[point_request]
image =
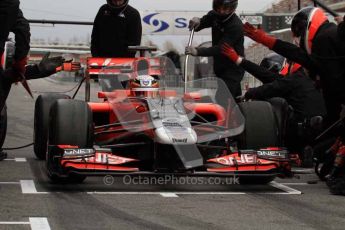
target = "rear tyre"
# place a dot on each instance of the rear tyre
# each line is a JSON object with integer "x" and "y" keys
{"x": 260, "y": 131}
{"x": 260, "y": 128}
{"x": 308, "y": 161}
{"x": 3, "y": 125}
{"x": 41, "y": 122}
{"x": 281, "y": 112}
{"x": 70, "y": 124}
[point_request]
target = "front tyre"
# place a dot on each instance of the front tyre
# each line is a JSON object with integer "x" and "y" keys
{"x": 70, "y": 123}
{"x": 260, "y": 131}
{"x": 41, "y": 122}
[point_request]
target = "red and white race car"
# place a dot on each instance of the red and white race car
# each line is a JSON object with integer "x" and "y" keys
{"x": 148, "y": 121}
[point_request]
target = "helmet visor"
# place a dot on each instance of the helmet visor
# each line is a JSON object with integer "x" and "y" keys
{"x": 117, "y": 4}
{"x": 222, "y": 5}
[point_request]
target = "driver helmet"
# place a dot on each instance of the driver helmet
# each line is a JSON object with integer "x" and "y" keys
{"x": 224, "y": 9}
{"x": 305, "y": 25}
{"x": 117, "y": 5}
{"x": 279, "y": 64}
{"x": 273, "y": 62}
{"x": 144, "y": 86}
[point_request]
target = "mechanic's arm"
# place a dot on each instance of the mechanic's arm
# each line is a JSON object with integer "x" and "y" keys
{"x": 8, "y": 16}
{"x": 295, "y": 54}
{"x": 94, "y": 36}
{"x": 286, "y": 49}
{"x": 232, "y": 34}
{"x": 45, "y": 68}
{"x": 32, "y": 72}
{"x": 277, "y": 88}
{"x": 206, "y": 21}
{"x": 264, "y": 75}
{"x": 50, "y": 65}
{"x": 22, "y": 37}
{"x": 21, "y": 29}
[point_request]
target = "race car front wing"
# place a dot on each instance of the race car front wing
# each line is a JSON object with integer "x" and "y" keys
{"x": 92, "y": 161}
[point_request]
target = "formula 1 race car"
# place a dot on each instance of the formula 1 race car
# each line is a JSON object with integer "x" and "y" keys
{"x": 150, "y": 122}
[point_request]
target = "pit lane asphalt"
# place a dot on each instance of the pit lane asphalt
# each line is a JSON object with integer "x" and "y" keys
{"x": 94, "y": 205}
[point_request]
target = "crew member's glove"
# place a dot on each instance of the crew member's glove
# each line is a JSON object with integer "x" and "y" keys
{"x": 249, "y": 94}
{"x": 18, "y": 70}
{"x": 69, "y": 66}
{"x": 231, "y": 54}
{"x": 241, "y": 98}
{"x": 190, "y": 50}
{"x": 48, "y": 66}
{"x": 339, "y": 19}
{"x": 259, "y": 35}
{"x": 194, "y": 23}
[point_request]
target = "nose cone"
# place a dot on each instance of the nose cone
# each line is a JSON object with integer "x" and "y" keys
{"x": 166, "y": 135}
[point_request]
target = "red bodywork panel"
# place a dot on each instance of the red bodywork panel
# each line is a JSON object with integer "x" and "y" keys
{"x": 101, "y": 161}
{"x": 111, "y": 104}
{"x": 118, "y": 65}
{"x": 104, "y": 65}
{"x": 244, "y": 162}
{"x": 208, "y": 109}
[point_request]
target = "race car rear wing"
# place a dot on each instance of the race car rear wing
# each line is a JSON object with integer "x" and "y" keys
{"x": 114, "y": 66}
{"x": 109, "y": 65}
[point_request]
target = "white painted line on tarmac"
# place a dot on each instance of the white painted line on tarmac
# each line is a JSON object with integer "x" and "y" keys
{"x": 123, "y": 193}
{"x": 276, "y": 193}
{"x": 285, "y": 188}
{"x": 295, "y": 184}
{"x": 273, "y": 193}
{"x": 168, "y": 194}
{"x": 13, "y": 222}
{"x": 303, "y": 171}
{"x": 281, "y": 186}
{"x": 9, "y": 182}
{"x": 160, "y": 193}
{"x": 18, "y": 159}
{"x": 36, "y": 223}
{"x": 9, "y": 159}
{"x": 28, "y": 187}
{"x": 210, "y": 193}
{"x": 286, "y": 191}
{"x": 39, "y": 223}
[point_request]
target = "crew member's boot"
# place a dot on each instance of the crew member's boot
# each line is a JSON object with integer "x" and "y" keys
{"x": 3, "y": 155}
{"x": 336, "y": 178}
